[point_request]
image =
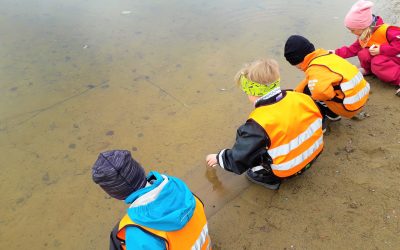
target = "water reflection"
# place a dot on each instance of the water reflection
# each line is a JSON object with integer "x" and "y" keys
{"x": 212, "y": 177}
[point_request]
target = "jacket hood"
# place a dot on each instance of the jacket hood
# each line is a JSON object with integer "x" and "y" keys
{"x": 310, "y": 57}
{"x": 166, "y": 204}
{"x": 379, "y": 21}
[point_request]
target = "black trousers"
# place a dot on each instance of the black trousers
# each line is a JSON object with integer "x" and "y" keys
{"x": 270, "y": 177}
{"x": 115, "y": 243}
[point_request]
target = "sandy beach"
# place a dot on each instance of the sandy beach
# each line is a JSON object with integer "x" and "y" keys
{"x": 350, "y": 199}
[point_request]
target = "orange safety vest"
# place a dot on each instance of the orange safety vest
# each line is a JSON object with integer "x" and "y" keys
{"x": 294, "y": 126}
{"x": 194, "y": 235}
{"x": 353, "y": 90}
{"x": 379, "y": 36}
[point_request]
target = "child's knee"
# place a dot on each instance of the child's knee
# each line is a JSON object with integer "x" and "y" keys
{"x": 364, "y": 54}
{"x": 385, "y": 69}
{"x": 378, "y": 63}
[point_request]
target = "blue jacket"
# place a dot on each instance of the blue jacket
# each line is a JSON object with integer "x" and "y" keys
{"x": 166, "y": 204}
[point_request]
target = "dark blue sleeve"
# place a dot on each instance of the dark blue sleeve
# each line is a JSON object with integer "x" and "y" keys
{"x": 249, "y": 150}
{"x": 137, "y": 239}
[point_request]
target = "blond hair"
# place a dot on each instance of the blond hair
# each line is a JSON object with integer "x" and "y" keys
{"x": 264, "y": 71}
{"x": 365, "y": 36}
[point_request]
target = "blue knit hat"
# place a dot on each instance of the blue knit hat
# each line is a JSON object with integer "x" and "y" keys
{"x": 118, "y": 174}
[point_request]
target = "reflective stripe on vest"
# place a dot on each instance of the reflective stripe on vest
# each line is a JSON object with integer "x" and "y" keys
{"x": 354, "y": 87}
{"x": 194, "y": 235}
{"x": 357, "y": 97}
{"x": 202, "y": 239}
{"x": 299, "y": 159}
{"x": 379, "y": 36}
{"x": 286, "y": 148}
{"x": 350, "y": 85}
{"x": 294, "y": 127}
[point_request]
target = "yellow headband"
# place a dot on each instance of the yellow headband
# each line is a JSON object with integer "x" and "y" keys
{"x": 257, "y": 89}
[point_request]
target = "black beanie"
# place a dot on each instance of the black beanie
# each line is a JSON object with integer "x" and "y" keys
{"x": 296, "y": 48}
{"x": 118, "y": 173}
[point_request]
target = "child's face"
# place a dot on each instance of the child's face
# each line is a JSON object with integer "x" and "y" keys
{"x": 356, "y": 32}
{"x": 253, "y": 99}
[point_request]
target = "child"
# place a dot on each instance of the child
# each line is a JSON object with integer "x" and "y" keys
{"x": 377, "y": 46}
{"x": 337, "y": 84}
{"x": 283, "y": 134}
{"x": 163, "y": 214}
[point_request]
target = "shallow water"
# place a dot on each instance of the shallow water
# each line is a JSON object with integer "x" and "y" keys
{"x": 81, "y": 77}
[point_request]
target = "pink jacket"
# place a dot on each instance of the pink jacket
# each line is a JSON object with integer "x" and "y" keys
{"x": 391, "y": 50}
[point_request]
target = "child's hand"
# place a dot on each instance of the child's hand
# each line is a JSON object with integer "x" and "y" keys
{"x": 211, "y": 160}
{"x": 374, "y": 50}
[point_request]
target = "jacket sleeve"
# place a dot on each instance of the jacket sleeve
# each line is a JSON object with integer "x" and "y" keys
{"x": 350, "y": 51}
{"x": 320, "y": 81}
{"x": 137, "y": 239}
{"x": 393, "y": 48}
{"x": 249, "y": 150}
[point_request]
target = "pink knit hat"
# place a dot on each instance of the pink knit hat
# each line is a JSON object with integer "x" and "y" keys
{"x": 360, "y": 15}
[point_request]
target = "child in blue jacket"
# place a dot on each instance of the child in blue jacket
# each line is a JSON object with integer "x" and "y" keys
{"x": 163, "y": 211}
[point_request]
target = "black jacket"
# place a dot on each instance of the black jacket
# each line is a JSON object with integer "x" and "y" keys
{"x": 250, "y": 148}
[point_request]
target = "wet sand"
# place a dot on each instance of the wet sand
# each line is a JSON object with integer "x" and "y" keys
{"x": 350, "y": 199}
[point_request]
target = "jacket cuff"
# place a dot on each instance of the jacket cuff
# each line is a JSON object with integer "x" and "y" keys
{"x": 220, "y": 160}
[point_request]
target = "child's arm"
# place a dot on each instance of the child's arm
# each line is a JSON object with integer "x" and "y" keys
{"x": 300, "y": 87}
{"x": 346, "y": 52}
{"x": 320, "y": 81}
{"x": 248, "y": 151}
{"x": 393, "y": 48}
